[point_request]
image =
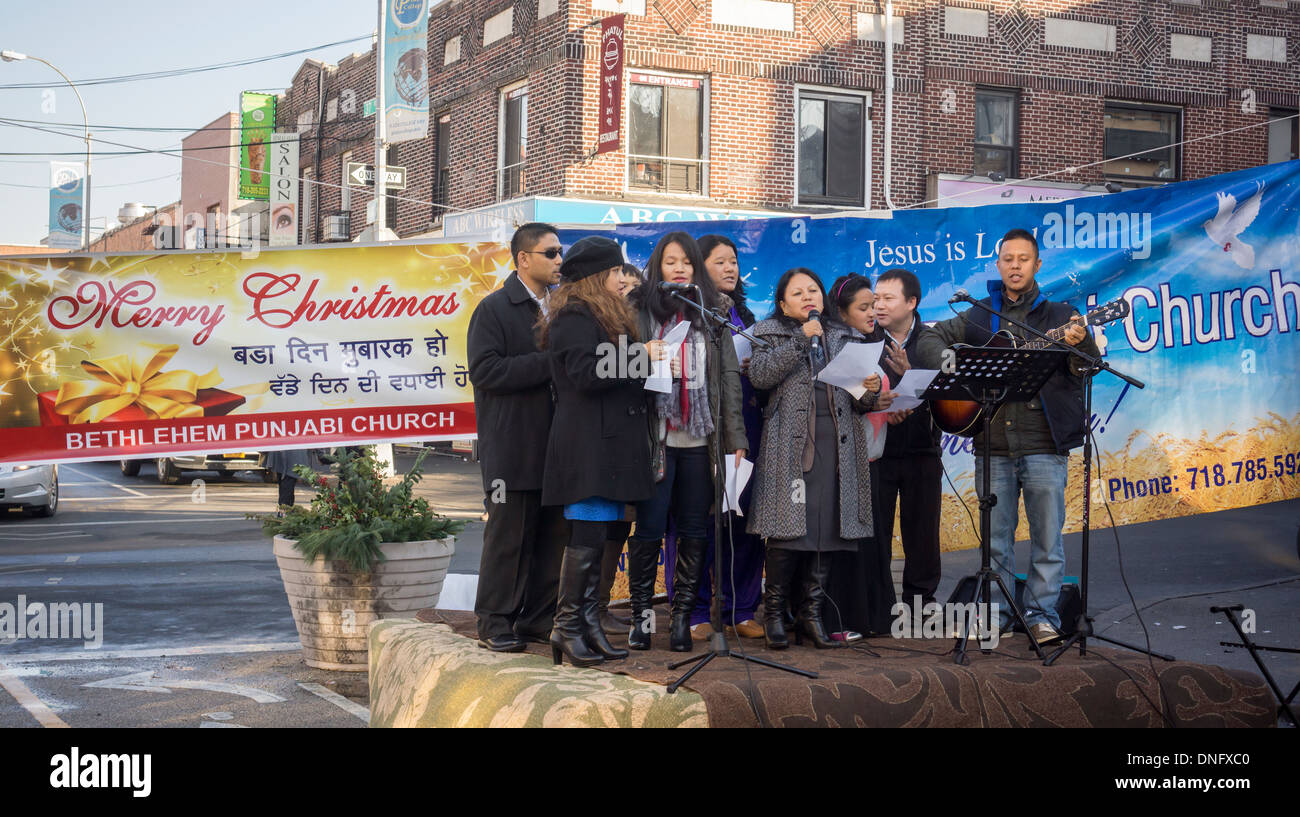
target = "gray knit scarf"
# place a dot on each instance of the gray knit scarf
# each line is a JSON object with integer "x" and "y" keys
{"x": 699, "y": 422}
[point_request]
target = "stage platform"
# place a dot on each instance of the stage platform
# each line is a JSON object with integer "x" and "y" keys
{"x": 432, "y": 673}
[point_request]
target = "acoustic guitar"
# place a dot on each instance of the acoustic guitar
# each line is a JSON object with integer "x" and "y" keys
{"x": 964, "y": 417}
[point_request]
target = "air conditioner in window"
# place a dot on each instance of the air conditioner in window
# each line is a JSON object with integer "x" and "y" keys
{"x": 336, "y": 228}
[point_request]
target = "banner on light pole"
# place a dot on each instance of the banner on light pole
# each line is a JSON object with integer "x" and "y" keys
{"x": 406, "y": 73}
{"x": 67, "y": 189}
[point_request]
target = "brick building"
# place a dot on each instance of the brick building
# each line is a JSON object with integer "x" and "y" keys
{"x": 138, "y": 234}
{"x": 781, "y": 106}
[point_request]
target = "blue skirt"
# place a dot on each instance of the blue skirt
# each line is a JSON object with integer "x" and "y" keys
{"x": 594, "y": 509}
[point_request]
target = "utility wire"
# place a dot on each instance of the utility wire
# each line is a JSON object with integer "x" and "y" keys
{"x": 982, "y": 189}
{"x": 178, "y": 72}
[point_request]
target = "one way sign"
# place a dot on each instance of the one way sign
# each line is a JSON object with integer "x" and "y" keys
{"x": 363, "y": 175}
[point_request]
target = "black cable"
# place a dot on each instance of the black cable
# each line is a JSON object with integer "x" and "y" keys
{"x": 178, "y": 72}
{"x": 1119, "y": 556}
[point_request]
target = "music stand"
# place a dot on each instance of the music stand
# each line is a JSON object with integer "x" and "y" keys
{"x": 992, "y": 376}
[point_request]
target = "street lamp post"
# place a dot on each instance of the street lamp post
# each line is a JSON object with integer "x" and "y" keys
{"x": 14, "y": 56}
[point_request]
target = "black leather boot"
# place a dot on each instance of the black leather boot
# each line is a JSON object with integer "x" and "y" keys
{"x": 779, "y": 568}
{"x": 816, "y": 570}
{"x": 642, "y": 559}
{"x": 686, "y": 585}
{"x": 567, "y": 636}
{"x": 610, "y": 623}
{"x": 592, "y": 631}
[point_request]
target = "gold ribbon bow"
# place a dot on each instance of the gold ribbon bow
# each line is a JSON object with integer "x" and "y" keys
{"x": 125, "y": 381}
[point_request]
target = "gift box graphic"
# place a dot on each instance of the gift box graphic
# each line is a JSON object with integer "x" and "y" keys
{"x": 128, "y": 388}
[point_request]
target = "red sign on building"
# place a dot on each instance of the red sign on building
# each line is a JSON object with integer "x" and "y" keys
{"x": 611, "y": 82}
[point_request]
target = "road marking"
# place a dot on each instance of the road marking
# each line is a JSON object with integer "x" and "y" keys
{"x": 338, "y": 700}
{"x": 115, "y": 655}
{"x": 99, "y": 479}
{"x": 28, "y": 700}
{"x": 23, "y": 570}
{"x": 211, "y": 725}
{"x": 130, "y": 522}
{"x": 145, "y": 682}
{"x": 54, "y": 580}
{"x": 74, "y": 559}
{"x": 31, "y": 537}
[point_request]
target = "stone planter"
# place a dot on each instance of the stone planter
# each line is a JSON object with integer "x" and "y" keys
{"x": 333, "y": 606}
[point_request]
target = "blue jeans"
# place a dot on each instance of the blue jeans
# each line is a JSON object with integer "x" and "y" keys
{"x": 1041, "y": 479}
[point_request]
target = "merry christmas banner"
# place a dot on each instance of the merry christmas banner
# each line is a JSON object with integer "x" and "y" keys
{"x": 105, "y": 356}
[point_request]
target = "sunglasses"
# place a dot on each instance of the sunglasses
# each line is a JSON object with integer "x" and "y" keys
{"x": 551, "y": 253}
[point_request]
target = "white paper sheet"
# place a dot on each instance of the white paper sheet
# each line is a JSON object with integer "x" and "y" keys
{"x": 744, "y": 349}
{"x": 661, "y": 375}
{"x": 737, "y": 479}
{"x": 910, "y": 387}
{"x": 855, "y": 363}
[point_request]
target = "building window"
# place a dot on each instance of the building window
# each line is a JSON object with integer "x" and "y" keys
{"x": 345, "y": 192}
{"x": 391, "y": 159}
{"x": 513, "y": 147}
{"x": 666, "y": 134}
{"x": 832, "y": 148}
{"x": 442, "y": 166}
{"x": 1283, "y": 136}
{"x": 996, "y": 133}
{"x": 308, "y": 189}
{"x": 1140, "y": 143}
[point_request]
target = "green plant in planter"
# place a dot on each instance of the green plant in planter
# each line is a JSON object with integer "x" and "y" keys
{"x": 348, "y": 521}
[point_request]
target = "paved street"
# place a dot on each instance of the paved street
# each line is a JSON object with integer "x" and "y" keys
{"x": 190, "y": 594}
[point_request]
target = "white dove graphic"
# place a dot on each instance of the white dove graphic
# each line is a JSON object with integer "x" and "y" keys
{"x": 1229, "y": 223}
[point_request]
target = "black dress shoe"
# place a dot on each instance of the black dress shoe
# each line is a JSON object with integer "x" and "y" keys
{"x": 535, "y": 638}
{"x": 503, "y": 643}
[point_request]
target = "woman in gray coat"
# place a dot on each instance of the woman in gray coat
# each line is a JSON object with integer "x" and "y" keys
{"x": 813, "y": 484}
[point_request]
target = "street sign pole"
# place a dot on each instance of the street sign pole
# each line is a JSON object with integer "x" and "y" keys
{"x": 381, "y": 169}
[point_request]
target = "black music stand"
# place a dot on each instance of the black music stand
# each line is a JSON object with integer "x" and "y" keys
{"x": 992, "y": 376}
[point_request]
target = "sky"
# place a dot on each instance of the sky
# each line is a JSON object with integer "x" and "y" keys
{"x": 95, "y": 39}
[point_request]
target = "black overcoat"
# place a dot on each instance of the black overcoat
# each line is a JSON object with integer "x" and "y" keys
{"x": 512, "y": 388}
{"x": 600, "y": 437}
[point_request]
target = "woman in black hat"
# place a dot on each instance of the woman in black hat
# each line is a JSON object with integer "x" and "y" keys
{"x": 598, "y": 453}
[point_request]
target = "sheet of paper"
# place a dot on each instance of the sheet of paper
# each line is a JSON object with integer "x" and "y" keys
{"x": 855, "y": 363}
{"x": 910, "y": 387}
{"x": 737, "y": 479}
{"x": 661, "y": 375}
{"x": 744, "y": 349}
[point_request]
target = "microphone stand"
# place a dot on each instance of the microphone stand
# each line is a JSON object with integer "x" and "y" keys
{"x": 718, "y": 648}
{"x": 1083, "y": 624}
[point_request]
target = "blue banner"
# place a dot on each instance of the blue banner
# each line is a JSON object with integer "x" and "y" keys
{"x": 66, "y": 193}
{"x": 1211, "y": 269}
{"x": 406, "y": 70}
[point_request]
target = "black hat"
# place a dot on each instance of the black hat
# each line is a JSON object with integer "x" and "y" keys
{"x": 589, "y": 256}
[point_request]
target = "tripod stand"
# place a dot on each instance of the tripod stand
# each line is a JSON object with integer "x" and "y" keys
{"x": 718, "y": 647}
{"x": 992, "y": 377}
{"x": 1106, "y": 314}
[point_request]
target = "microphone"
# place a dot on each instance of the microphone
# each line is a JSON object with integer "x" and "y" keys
{"x": 959, "y": 295}
{"x": 815, "y": 339}
{"x": 669, "y": 286}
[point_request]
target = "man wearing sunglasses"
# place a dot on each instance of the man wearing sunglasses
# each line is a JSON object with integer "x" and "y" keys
{"x": 523, "y": 542}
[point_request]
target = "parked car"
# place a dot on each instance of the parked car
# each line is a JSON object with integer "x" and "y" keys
{"x": 35, "y": 488}
{"x": 171, "y": 468}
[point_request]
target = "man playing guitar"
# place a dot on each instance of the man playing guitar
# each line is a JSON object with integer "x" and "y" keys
{"x": 1031, "y": 441}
